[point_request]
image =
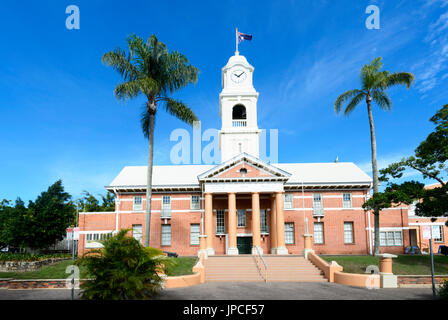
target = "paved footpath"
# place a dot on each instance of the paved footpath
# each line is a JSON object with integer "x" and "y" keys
{"x": 248, "y": 291}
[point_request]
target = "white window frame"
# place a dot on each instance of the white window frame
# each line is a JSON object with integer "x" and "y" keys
{"x": 264, "y": 228}
{"x": 347, "y": 203}
{"x": 195, "y": 231}
{"x": 347, "y": 231}
{"x": 92, "y": 239}
{"x": 391, "y": 238}
{"x": 195, "y": 205}
{"x": 164, "y": 242}
{"x": 438, "y": 240}
{"x": 166, "y": 204}
{"x": 318, "y": 234}
{"x": 288, "y": 201}
{"x": 220, "y": 222}
{"x": 241, "y": 218}
{"x": 137, "y": 236}
{"x": 137, "y": 206}
{"x": 289, "y": 233}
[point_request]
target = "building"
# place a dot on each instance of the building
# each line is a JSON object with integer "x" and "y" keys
{"x": 245, "y": 204}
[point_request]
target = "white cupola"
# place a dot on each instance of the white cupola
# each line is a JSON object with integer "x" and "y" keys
{"x": 238, "y": 110}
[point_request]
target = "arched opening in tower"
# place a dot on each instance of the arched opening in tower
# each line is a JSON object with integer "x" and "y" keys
{"x": 239, "y": 112}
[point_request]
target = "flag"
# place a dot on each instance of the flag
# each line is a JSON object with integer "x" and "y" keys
{"x": 243, "y": 36}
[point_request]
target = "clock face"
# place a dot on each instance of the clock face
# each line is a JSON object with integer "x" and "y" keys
{"x": 238, "y": 76}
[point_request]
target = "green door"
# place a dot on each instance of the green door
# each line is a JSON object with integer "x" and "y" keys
{"x": 244, "y": 245}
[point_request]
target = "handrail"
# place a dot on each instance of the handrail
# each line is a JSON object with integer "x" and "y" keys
{"x": 264, "y": 263}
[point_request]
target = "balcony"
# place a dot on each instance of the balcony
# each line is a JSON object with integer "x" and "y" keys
{"x": 239, "y": 123}
{"x": 165, "y": 213}
{"x": 318, "y": 212}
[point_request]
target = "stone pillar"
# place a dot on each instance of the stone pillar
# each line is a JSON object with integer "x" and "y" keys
{"x": 388, "y": 279}
{"x": 232, "y": 248}
{"x": 307, "y": 245}
{"x": 280, "y": 220}
{"x": 256, "y": 223}
{"x": 203, "y": 246}
{"x": 209, "y": 223}
{"x": 273, "y": 230}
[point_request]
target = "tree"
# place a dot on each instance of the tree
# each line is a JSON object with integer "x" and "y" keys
{"x": 123, "y": 269}
{"x": 89, "y": 203}
{"x": 431, "y": 160}
{"x": 374, "y": 85}
{"x": 48, "y": 217}
{"x": 149, "y": 69}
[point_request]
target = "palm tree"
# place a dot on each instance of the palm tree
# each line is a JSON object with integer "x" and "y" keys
{"x": 149, "y": 69}
{"x": 374, "y": 85}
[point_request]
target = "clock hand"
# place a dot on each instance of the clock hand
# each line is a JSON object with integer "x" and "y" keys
{"x": 240, "y": 74}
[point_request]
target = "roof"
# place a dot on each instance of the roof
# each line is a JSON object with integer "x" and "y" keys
{"x": 341, "y": 173}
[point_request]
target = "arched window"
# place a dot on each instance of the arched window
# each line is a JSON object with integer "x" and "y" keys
{"x": 239, "y": 112}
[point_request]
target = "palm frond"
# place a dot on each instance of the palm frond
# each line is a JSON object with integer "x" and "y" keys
{"x": 369, "y": 74}
{"x": 397, "y": 78}
{"x": 345, "y": 97}
{"x": 121, "y": 62}
{"x": 382, "y": 99}
{"x": 127, "y": 90}
{"x": 180, "y": 110}
{"x": 354, "y": 102}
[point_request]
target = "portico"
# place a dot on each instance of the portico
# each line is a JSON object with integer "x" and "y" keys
{"x": 245, "y": 177}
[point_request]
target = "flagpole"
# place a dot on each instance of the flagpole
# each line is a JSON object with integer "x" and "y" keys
{"x": 236, "y": 42}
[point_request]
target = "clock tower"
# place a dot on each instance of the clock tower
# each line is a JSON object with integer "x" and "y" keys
{"x": 238, "y": 110}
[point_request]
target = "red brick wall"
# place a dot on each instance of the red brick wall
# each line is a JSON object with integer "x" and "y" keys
{"x": 180, "y": 222}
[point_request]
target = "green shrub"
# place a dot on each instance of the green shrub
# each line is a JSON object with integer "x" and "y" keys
{"x": 4, "y": 256}
{"x": 442, "y": 292}
{"x": 123, "y": 269}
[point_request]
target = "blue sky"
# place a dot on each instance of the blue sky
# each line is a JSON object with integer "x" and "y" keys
{"x": 60, "y": 119}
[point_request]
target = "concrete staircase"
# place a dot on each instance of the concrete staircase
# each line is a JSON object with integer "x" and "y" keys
{"x": 244, "y": 268}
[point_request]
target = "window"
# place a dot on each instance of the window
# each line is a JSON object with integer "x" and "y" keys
{"x": 166, "y": 234}
{"x": 98, "y": 236}
{"x": 318, "y": 232}
{"x": 220, "y": 227}
{"x": 137, "y": 232}
{"x": 289, "y": 233}
{"x": 391, "y": 238}
{"x": 194, "y": 234}
{"x": 195, "y": 203}
{"x": 348, "y": 232}
{"x": 437, "y": 233}
{"x": 166, "y": 202}
{"x": 137, "y": 203}
{"x": 288, "y": 201}
{"x": 241, "y": 218}
{"x": 93, "y": 239}
{"x": 165, "y": 213}
{"x": 317, "y": 204}
{"x": 346, "y": 200}
{"x": 263, "y": 222}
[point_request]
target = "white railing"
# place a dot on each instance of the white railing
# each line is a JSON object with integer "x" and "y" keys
{"x": 239, "y": 123}
{"x": 318, "y": 212}
{"x": 165, "y": 213}
{"x": 260, "y": 258}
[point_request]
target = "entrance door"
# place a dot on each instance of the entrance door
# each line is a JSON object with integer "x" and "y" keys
{"x": 244, "y": 245}
{"x": 413, "y": 237}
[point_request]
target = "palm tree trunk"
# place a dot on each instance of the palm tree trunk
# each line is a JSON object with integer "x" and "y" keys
{"x": 151, "y": 110}
{"x": 376, "y": 212}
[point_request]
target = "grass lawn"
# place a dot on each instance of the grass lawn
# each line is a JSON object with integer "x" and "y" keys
{"x": 403, "y": 264}
{"x": 55, "y": 271}
{"x": 183, "y": 266}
